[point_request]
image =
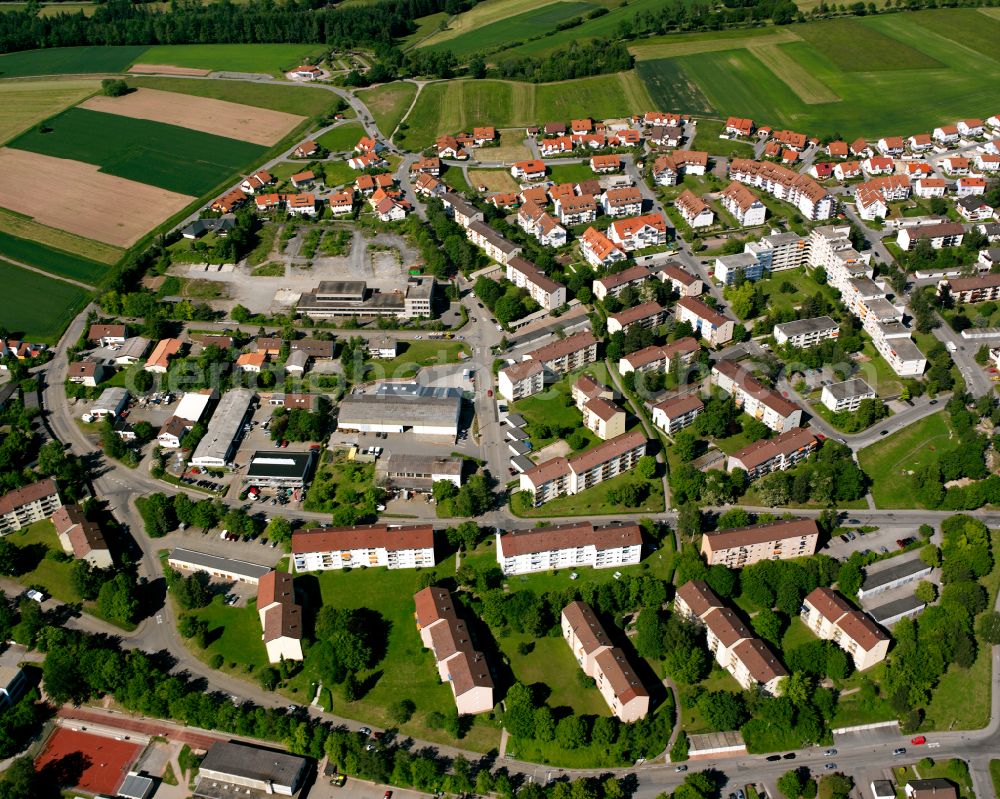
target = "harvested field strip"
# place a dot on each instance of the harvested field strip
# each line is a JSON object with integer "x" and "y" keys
{"x": 292, "y": 99}
{"x": 25, "y": 103}
{"x": 807, "y": 87}
{"x": 671, "y": 88}
{"x": 83, "y": 200}
{"x": 166, "y": 69}
{"x": 856, "y": 47}
{"x": 599, "y": 97}
{"x": 270, "y": 58}
{"x": 218, "y": 117}
{"x": 23, "y": 227}
{"x": 68, "y": 61}
{"x": 495, "y": 180}
{"x": 35, "y": 306}
{"x": 173, "y": 158}
{"x": 669, "y": 46}
{"x": 965, "y": 27}
{"x": 55, "y": 261}
{"x": 480, "y": 15}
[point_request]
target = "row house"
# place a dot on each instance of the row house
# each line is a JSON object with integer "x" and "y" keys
{"x": 682, "y": 282}
{"x": 790, "y": 139}
{"x": 542, "y": 289}
{"x": 427, "y": 166}
{"x": 755, "y": 399}
{"x": 257, "y": 181}
{"x": 775, "y": 454}
{"x": 520, "y": 380}
{"x": 660, "y": 358}
{"x": 625, "y": 201}
{"x": 568, "y": 354}
{"x": 804, "y": 333}
{"x": 558, "y": 477}
{"x": 708, "y": 323}
{"x": 639, "y": 232}
{"x": 831, "y": 617}
{"x": 694, "y": 210}
{"x": 599, "y": 251}
{"x": 873, "y": 197}
{"x": 369, "y": 184}
{"x": 677, "y": 413}
{"x": 743, "y": 204}
{"x": 664, "y": 118}
{"x": 648, "y": 314}
{"x": 568, "y": 546}
{"x": 613, "y": 285}
{"x": 813, "y": 201}
{"x": 607, "y": 665}
{"x": 555, "y": 146}
{"x": 369, "y": 545}
{"x": 492, "y": 243}
{"x": 744, "y": 546}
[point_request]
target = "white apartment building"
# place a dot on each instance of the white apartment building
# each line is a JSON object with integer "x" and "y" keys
{"x": 646, "y": 314}
{"x": 568, "y": 354}
{"x": 813, "y": 201}
{"x": 280, "y": 617}
{"x": 681, "y": 281}
{"x": 708, "y": 323}
{"x": 743, "y": 546}
{"x": 779, "y": 251}
{"x": 521, "y": 380}
{"x": 762, "y": 403}
{"x": 541, "y": 288}
{"x": 392, "y": 546}
{"x": 28, "y": 505}
{"x": 804, "y": 333}
{"x": 492, "y": 243}
{"x": 657, "y": 358}
{"x": 694, "y": 210}
{"x": 599, "y": 251}
{"x": 613, "y": 285}
{"x": 743, "y": 204}
{"x": 831, "y": 617}
{"x": 677, "y": 413}
{"x": 569, "y": 546}
{"x": 847, "y": 395}
{"x": 638, "y": 232}
{"x": 625, "y": 201}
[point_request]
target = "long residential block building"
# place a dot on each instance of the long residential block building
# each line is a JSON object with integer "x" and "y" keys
{"x": 677, "y": 413}
{"x": 813, "y": 201}
{"x": 569, "y": 546}
{"x": 547, "y": 292}
{"x": 568, "y": 354}
{"x": 708, "y": 323}
{"x": 607, "y": 664}
{"x": 774, "y": 454}
{"x": 392, "y": 546}
{"x": 660, "y": 359}
{"x": 977, "y": 288}
{"x": 743, "y": 546}
{"x": 831, "y": 617}
{"x": 28, "y": 505}
{"x": 521, "y": 379}
{"x": 754, "y": 398}
{"x": 804, "y": 333}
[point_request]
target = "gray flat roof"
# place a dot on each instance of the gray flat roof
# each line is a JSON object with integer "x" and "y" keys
{"x": 897, "y": 607}
{"x": 855, "y": 387}
{"x": 283, "y": 464}
{"x": 800, "y": 326}
{"x": 224, "y": 426}
{"x": 135, "y": 786}
{"x": 251, "y": 762}
{"x": 402, "y": 403}
{"x": 219, "y": 564}
{"x": 519, "y": 448}
{"x": 897, "y": 571}
{"x": 906, "y": 349}
{"x": 515, "y": 420}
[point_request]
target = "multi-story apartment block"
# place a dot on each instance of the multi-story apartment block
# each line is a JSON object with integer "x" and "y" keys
{"x": 775, "y": 454}
{"x": 569, "y": 546}
{"x": 613, "y": 285}
{"x": 779, "y": 251}
{"x": 873, "y": 197}
{"x": 830, "y": 247}
{"x": 804, "y": 333}
{"x": 694, "y": 210}
{"x": 743, "y": 546}
{"x": 647, "y": 314}
{"x": 459, "y": 663}
{"x": 568, "y": 354}
{"x": 978, "y": 288}
{"x": 492, "y": 243}
{"x": 657, "y": 358}
{"x": 521, "y": 380}
{"x": 706, "y": 322}
{"x": 681, "y": 281}
{"x": 558, "y": 477}
{"x": 463, "y": 212}
{"x": 28, "y": 505}
{"x": 813, "y": 201}
{"x": 603, "y": 418}
{"x": 755, "y": 399}
{"x": 940, "y": 234}
{"x": 743, "y": 204}
{"x": 740, "y": 266}
{"x": 576, "y": 209}
{"x": 847, "y": 395}
{"x": 599, "y": 251}
{"x": 668, "y": 169}
{"x": 626, "y": 201}
{"x": 541, "y": 288}
{"x": 832, "y": 618}
{"x": 606, "y": 664}
{"x": 586, "y": 388}
{"x": 677, "y": 413}
{"x": 638, "y": 232}
{"x": 392, "y": 546}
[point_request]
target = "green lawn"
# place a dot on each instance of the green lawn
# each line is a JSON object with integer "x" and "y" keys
{"x": 555, "y": 408}
{"x": 342, "y": 138}
{"x": 274, "y": 59}
{"x": 571, "y": 173}
{"x": 68, "y": 61}
{"x": 454, "y": 178}
{"x": 338, "y": 173}
{"x": 801, "y": 286}
{"x": 388, "y": 103}
{"x": 290, "y": 99}
{"x": 672, "y": 89}
{"x": 50, "y": 574}
{"x": 35, "y": 306}
{"x": 887, "y": 462}
{"x": 796, "y": 634}
{"x": 51, "y": 260}
{"x": 233, "y": 633}
{"x": 877, "y": 372}
{"x": 594, "y": 501}
{"x": 174, "y": 158}
{"x": 857, "y": 708}
{"x": 425, "y": 27}
{"x": 415, "y": 354}
{"x": 995, "y": 776}
{"x": 707, "y": 137}
{"x": 955, "y": 770}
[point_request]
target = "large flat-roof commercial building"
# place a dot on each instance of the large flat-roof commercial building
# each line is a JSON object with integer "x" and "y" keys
{"x": 418, "y": 472}
{"x": 569, "y": 546}
{"x": 393, "y": 546}
{"x": 832, "y": 618}
{"x": 240, "y": 571}
{"x": 607, "y": 665}
{"x": 193, "y": 405}
{"x": 346, "y": 298}
{"x": 234, "y": 769}
{"x": 218, "y": 446}
{"x": 280, "y": 469}
{"x": 743, "y": 546}
{"x": 395, "y": 407}
{"x": 28, "y": 505}
{"x": 459, "y": 663}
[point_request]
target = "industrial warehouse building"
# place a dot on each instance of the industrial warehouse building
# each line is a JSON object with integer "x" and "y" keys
{"x": 219, "y": 444}
{"x": 239, "y": 571}
{"x": 236, "y": 769}
{"x": 280, "y": 469}
{"x": 418, "y": 472}
{"x": 395, "y": 407}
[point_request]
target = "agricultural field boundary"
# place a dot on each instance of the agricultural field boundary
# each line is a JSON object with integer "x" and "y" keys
{"x": 807, "y": 87}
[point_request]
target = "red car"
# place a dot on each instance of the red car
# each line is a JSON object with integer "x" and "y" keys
{"x": 387, "y": 795}
{"x": 920, "y": 739}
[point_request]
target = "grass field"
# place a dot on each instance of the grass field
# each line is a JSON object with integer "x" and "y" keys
{"x": 52, "y": 9}
{"x": 389, "y": 103}
{"x": 594, "y": 501}
{"x": 167, "y": 156}
{"x": 888, "y": 462}
{"x": 233, "y": 633}
{"x": 515, "y": 28}
{"x": 23, "y": 227}
{"x": 451, "y": 106}
{"x": 425, "y": 27}
{"x": 23, "y": 104}
{"x": 898, "y": 73}
{"x": 54, "y": 261}
{"x": 68, "y": 61}
{"x": 571, "y": 173}
{"x": 341, "y": 139}
{"x": 495, "y": 180}
{"x": 481, "y": 15}
{"x": 36, "y": 306}
{"x": 995, "y": 776}
{"x": 272, "y": 58}
{"x": 291, "y": 99}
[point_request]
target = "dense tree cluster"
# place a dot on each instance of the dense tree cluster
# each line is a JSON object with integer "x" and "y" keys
{"x": 472, "y": 499}
{"x": 579, "y": 60}
{"x": 830, "y": 475}
{"x": 299, "y": 424}
{"x": 507, "y": 302}
{"x": 443, "y": 246}
{"x": 19, "y": 723}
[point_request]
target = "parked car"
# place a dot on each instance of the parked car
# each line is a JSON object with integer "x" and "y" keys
{"x": 680, "y": 769}
{"x": 830, "y": 766}
{"x": 339, "y": 780}
{"x": 789, "y": 756}
{"x": 773, "y": 758}
{"x": 829, "y": 753}
{"x": 365, "y": 731}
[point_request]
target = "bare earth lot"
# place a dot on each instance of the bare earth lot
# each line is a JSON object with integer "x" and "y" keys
{"x": 80, "y": 199}
{"x": 166, "y": 69}
{"x": 221, "y": 118}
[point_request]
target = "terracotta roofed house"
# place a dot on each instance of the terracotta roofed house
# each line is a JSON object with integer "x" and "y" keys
{"x": 81, "y": 537}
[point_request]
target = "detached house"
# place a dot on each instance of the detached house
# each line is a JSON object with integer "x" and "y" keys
{"x": 920, "y": 143}
{"x": 891, "y": 145}
{"x": 970, "y": 127}
{"x": 735, "y": 126}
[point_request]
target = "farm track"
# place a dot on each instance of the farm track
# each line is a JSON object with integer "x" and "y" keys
{"x": 53, "y": 275}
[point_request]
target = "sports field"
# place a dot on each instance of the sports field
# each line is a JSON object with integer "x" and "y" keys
{"x": 24, "y": 227}
{"x": 515, "y": 28}
{"x": 869, "y": 76}
{"x": 452, "y": 106}
{"x": 173, "y": 158}
{"x": 68, "y": 61}
{"x": 291, "y": 99}
{"x": 389, "y": 103}
{"x": 23, "y": 104}
{"x": 57, "y": 262}
{"x": 35, "y": 306}
{"x": 274, "y": 59}
{"x": 93, "y": 763}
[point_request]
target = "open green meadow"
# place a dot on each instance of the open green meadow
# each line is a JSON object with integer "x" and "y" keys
{"x": 516, "y": 28}
{"x": 25, "y": 103}
{"x": 887, "y": 74}
{"x": 342, "y": 138}
{"x": 389, "y": 103}
{"x": 55, "y": 261}
{"x": 451, "y": 106}
{"x": 291, "y": 99}
{"x": 171, "y": 157}
{"x": 425, "y": 27}
{"x": 271, "y": 58}
{"x": 35, "y": 306}
{"x": 68, "y": 61}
